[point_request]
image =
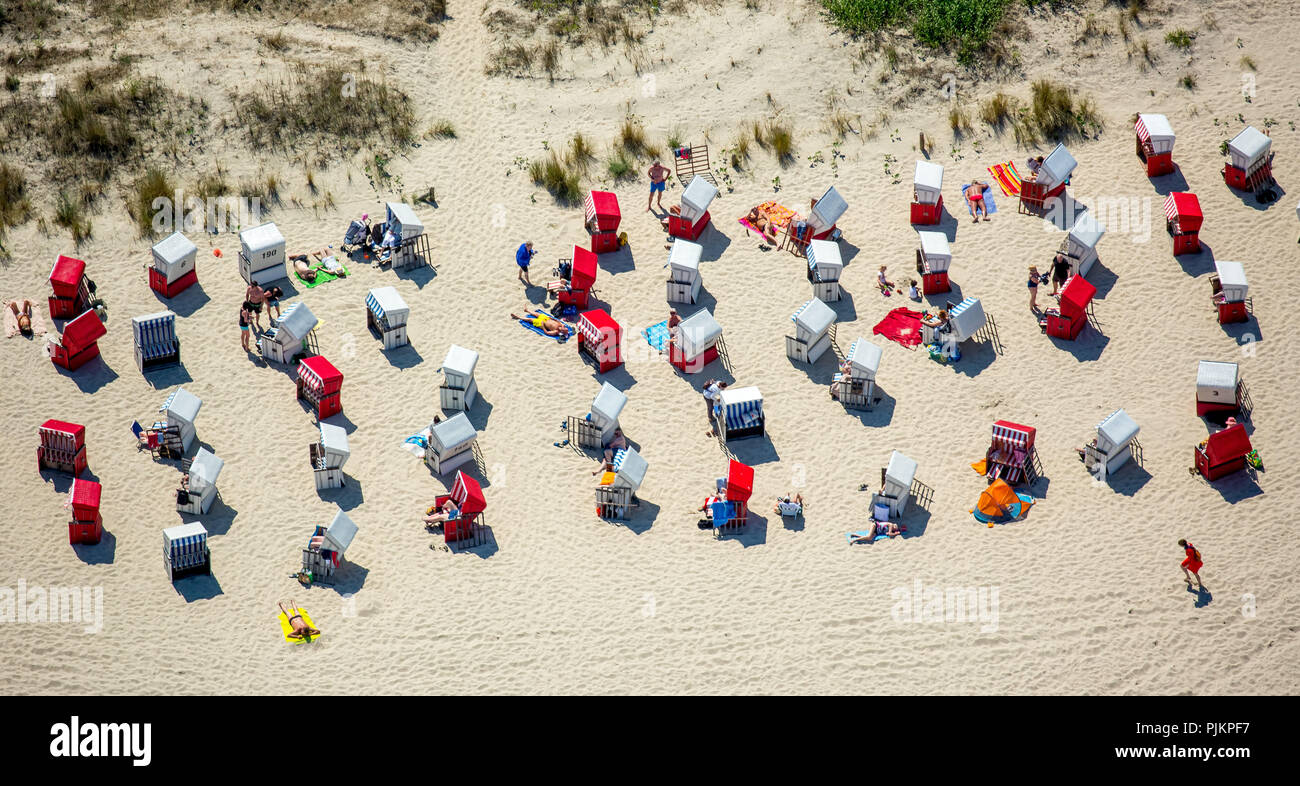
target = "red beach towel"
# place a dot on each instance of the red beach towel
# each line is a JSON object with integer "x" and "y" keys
{"x": 902, "y": 325}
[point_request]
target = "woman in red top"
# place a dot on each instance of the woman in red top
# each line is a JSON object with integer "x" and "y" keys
{"x": 1192, "y": 564}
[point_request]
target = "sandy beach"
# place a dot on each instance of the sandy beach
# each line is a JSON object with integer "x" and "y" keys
{"x": 1088, "y": 592}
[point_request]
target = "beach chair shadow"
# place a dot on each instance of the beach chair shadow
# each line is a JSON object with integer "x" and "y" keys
{"x": 1100, "y": 276}
{"x": 751, "y": 450}
{"x": 713, "y": 242}
{"x": 101, "y": 553}
{"x": 194, "y": 588}
{"x": 1244, "y": 332}
{"x": 847, "y": 251}
{"x": 917, "y": 519}
{"x": 845, "y": 308}
{"x": 91, "y": 377}
{"x": 168, "y": 377}
{"x": 484, "y": 547}
{"x": 348, "y": 496}
{"x": 185, "y": 303}
{"x": 479, "y": 414}
{"x": 881, "y": 412}
{"x": 536, "y": 295}
{"x": 348, "y": 579}
{"x": 641, "y": 520}
{"x": 1238, "y": 486}
{"x": 421, "y": 275}
{"x": 754, "y": 533}
{"x": 1129, "y": 479}
{"x": 939, "y": 299}
{"x": 615, "y": 262}
{"x": 1087, "y": 348}
{"x": 1198, "y": 264}
{"x": 1167, "y": 184}
{"x": 403, "y": 357}
{"x": 1251, "y": 199}
{"x": 218, "y": 519}
{"x": 975, "y": 357}
{"x": 948, "y": 224}
{"x": 62, "y": 481}
{"x": 619, "y": 377}
{"x": 340, "y": 419}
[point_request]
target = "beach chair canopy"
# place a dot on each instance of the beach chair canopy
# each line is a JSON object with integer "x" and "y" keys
{"x": 340, "y": 533}
{"x": 1184, "y": 210}
{"x": 864, "y": 358}
{"x": 684, "y": 260}
{"x": 967, "y": 318}
{"x": 828, "y": 209}
{"x": 178, "y": 538}
{"x": 1057, "y": 167}
{"x": 204, "y": 471}
{"x": 334, "y": 444}
{"x": 629, "y": 469}
{"x": 1228, "y": 444}
{"x": 294, "y": 324}
{"x": 63, "y": 435}
{"x": 697, "y": 197}
{"x": 584, "y": 268}
{"x": 1248, "y": 148}
{"x": 1155, "y": 131}
{"x": 454, "y": 432}
{"x": 608, "y": 405}
{"x": 84, "y": 495}
{"x": 260, "y": 240}
{"x": 82, "y": 332}
{"x": 1116, "y": 431}
{"x": 824, "y": 259}
{"x": 740, "y": 481}
{"x": 1216, "y": 381}
{"x": 742, "y": 407}
{"x": 697, "y": 333}
{"x": 928, "y": 181}
{"x": 468, "y": 495}
{"x": 935, "y": 249}
{"x": 320, "y": 373}
{"x": 1075, "y": 297}
{"x": 155, "y": 334}
{"x": 182, "y": 406}
{"x": 174, "y": 255}
{"x": 599, "y": 328}
{"x": 460, "y": 362}
{"x": 403, "y": 221}
{"x": 900, "y": 472}
{"x": 66, "y": 276}
{"x": 999, "y": 502}
{"x": 812, "y": 320}
{"x": 1013, "y": 435}
{"x": 603, "y": 207}
{"x": 386, "y": 304}
{"x": 1085, "y": 233}
{"x": 1232, "y": 280}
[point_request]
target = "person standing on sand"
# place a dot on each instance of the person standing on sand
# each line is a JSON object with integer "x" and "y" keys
{"x": 1034, "y": 280}
{"x": 1191, "y": 564}
{"x": 1060, "y": 272}
{"x": 524, "y": 257}
{"x": 658, "y": 182}
{"x": 245, "y": 317}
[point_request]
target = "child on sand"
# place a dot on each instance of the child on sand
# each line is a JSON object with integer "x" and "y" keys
{"x": 912, "y": 291}
{"x": 884, "y": 283}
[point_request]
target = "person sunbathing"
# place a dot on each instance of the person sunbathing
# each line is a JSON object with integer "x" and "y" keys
{"x": 441, "y": 514}
{"x": 879, "y": 528}
{"x": 786, "y": 506}
{"x": 759, "y": 219}
{"x": 301, "y": 629}
{"x": 23, "y": 314}
{"x": 547, "y": 324}
{"x": 975, "y": 200}
{"x": 616, "y": 443}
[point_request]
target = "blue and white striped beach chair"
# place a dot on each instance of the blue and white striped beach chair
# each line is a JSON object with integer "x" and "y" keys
{"x": 185, "y": 551}
{"x": 156, "y": 344}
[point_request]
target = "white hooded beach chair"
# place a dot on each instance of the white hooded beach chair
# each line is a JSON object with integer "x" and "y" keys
{"x": 328, "y": 455}
{"x": 1250, "y": 163}
{"x": 742, "y": 413}
{"x": 595, "y": 429}
{"x": 261, "y": 255}
{"x": 856, "y": 389}
{"x": 451, "y": 443}
{"x": 933, "y": 260}
{"x": 185, "y": 551}
{"x": 1230, "y": 292}
{"x": 202, "y": 486}
{"x": 291, "y": 335}
{"x": 896, "y": 484}
{"x": 1116, "y": 443}
{"x": 1080, "y": 244}
{"x": 966, "y": 320}
{"x": 699, "y": 337}
{"x": 694, "y": 216}
{"x": 173, "y": 265}
{"x": 813, "y": 332}
{"x": 1220, "y": 390}
{"x": 927, "y": 193}
{"x": 327, "y": 547}
{"x": 1052, "y": 177}
{"x": 156, "y": 344}
{"x": 386, "y": 316}
{"x": 616, "y": 494}
{"x": 459, "y": 389}
{"x": 179, "y": 412}
{"x": 824, "y": 268}
{"x": 684, "y": 280}
{"x": 1155, "y": 143}
{"x": 413, "y": 243}
{"x": 828, "y": 210}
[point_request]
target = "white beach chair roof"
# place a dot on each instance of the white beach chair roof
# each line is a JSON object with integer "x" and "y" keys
{"x": 295, "y": 323}
{"x": 731, "y": 396}
{"x": 261, "y": 238}
{"x": 814, "y": 316}
{"x": 204, "y": 470}
{"x": 180, "y": 532}
{"x": 1158, "y": 132}
{"x": 341, "y": 531}
{"x": 609, "y": 403}
{"x": 182, "y": 405}
{"x": 1057, "y": 167}
{"x": 174, "y": 248}
{"x": 685, "y": 255}
{"x": 901, "y": 470}
{"x": 1216, "y": 374}
{"x": 629, "y": 469}
{"x": 453, "y": 432}
{"x": 1087, "y": 230}
{"x": 824, "y": 255}
{"x": 1249, "y": 146}
{"x": 390, "y": 305}
{"x": 1231, "y": 274}
{"x": 460, "y": 360}
{"x": 929, "y": 176}
{"x": 697, "y": 197}
{"x": 829, "y": 208}
{"x": 865, "y": 358}
{"x": 967, "y": 318}
{"x": 934, "y": 244}
{"x": 403, "y": 214}
{"x": 334, "y": 439}
{"x": 1117, "y": 429}
{"x": 698, "y": 332}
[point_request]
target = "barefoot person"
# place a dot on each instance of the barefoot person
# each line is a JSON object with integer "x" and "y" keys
{"x": 255, "y": 296}
{"x": 523, "y": 257}
{"x": 245, "y": 320}
{"x": 441, "y": 514}
{"x": 1034, "y": 280}
{"x": 658, "y": 182}
{"x": 301, "y": 630}
{"x": 975, "y": 200}
{"x": 548, "y": 325}
{"x": 22, "y": 311}
{"x": 1191, "y": 564}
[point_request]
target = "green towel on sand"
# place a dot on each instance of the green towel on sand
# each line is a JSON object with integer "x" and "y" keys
{"x": 321, "y": 276}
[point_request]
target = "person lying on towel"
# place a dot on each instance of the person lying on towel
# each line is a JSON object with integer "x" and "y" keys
{"x": 547, "y": 324}
{"x": 441, "y": 514}
{"x": 879, "y": 528}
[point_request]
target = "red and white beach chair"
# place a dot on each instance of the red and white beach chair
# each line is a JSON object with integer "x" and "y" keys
{"x": 1250, "y": 160}
{"x": 1076, "y": 305}
{"x": 470, "y": 504}
{"x": 1011, "y": 456}
{"x": 729, "y": 509}
{"x": 582, "y": 279}
{"x": 933, "y": 259}
{"x": 320, "y": 383}
{"x": 602, "y": 220}
{"x": 927, "y": 193}
{"x": 1223, "y": 452}
{"x": 1230, "y": 292}
{"x": 71, "y": 288}
{"x": 1053, "y": 176}
{"x": 62, "y": 448}
{"x": 694, "y": 217}
{"x": 1183, "y": 220}
{"x": 459, "y": 388}
{"x": 684, "y": 280}
{"x": 173, "y": 267}
{"x": 600, "y": 339}
{"x": 697, "y": 343}
{"x": 78, "y": 344}
{"x": 86, "y": 525}
{"x": 1155, "y": 144}
{"x": 1220, "y": 391}
{"x": 261, "y": 255}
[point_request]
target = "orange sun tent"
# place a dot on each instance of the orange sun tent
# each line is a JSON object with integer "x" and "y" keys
{"x": 1000, "y": 503}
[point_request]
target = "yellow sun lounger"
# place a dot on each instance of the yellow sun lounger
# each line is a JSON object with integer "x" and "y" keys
{"x": 286, "y": 628}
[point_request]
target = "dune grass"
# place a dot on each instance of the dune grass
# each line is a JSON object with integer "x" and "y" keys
{"x": 153, "y": 185}
{"x": 962, "y": 26}
{"x": 443, "y": 129}
{"x": 997, "y": 110}
{"x": 70, "y": 214}
{"x": 556, "y": 176}
{"x": 15, "y": 204}
{"x": 1180, "y": 38}
{"x": 620, "y": 167}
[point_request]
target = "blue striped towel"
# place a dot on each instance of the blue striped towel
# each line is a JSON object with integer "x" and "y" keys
{"x": 657, "y": 335}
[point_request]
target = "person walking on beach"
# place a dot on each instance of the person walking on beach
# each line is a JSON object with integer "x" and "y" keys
{"x": 524, "y": 257}
{"x": 712, "y": 398}
{"x": 658, "y": 182}
{"x": 1191, "y": 564}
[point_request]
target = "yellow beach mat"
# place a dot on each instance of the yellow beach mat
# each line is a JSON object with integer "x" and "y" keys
{"x": 286, "y": 628}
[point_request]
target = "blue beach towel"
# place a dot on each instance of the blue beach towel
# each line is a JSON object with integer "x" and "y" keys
{"x": 657, "y": 335}
{"x": 990, "y": 206}
{"x": 849, "y": 536}
{"x": 528, "y": 324}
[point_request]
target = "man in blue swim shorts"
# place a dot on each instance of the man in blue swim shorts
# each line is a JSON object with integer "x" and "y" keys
{"x": 658, "y": 181}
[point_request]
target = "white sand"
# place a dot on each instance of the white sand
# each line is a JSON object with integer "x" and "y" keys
{"x": 1091, "y": 599}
